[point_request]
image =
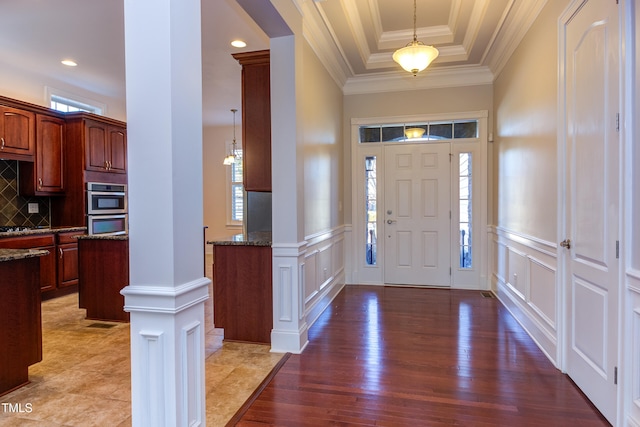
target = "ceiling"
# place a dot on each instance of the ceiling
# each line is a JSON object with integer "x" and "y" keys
{"x": 354, "y": 38}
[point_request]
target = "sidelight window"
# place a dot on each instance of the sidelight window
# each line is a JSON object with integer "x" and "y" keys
{"x": 465, "y": 212}
{"x": 371, "y": 209}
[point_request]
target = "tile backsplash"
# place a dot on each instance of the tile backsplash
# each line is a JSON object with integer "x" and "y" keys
{"x": 14, "y": 209}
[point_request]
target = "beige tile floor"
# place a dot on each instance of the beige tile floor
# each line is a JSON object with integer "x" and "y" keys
{"x": 84, "y": 377}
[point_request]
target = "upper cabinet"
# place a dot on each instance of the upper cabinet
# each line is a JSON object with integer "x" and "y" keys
{"x": 17, "y": 134}
{"x": 106, "y": 147}
{"x": 256, "y": 119}
{"x": 45, "y": 177}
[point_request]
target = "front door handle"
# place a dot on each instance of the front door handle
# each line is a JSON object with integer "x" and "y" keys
{"x": 391, "y": 221}
{"x": 566, "y": 243}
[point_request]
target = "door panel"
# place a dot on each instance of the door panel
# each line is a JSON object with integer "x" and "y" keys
{"x": 417, "y": 214}
{"x": 591, "y": 85}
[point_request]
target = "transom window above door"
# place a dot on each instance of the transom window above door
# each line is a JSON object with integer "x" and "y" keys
{"x": 419, "y": 132}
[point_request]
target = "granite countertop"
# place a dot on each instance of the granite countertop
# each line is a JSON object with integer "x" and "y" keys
{"x": 15, "y": 254}
{"x": 257, "y": 238}
{"x": 41, "y": 231}
{"x": 103, "y": 237}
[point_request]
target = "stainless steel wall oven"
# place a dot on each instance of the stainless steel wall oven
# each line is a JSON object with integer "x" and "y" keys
{"x": 106, "y": 208}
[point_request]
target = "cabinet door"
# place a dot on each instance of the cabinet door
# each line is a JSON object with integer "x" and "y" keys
{"x": 17, "y": 133}
{"x": 117, "y": 146}
{"x": 48, "y": 269}
{"x": 49, "y": 155}
{"x": 256, "y": 127}
{"x": 67, "y": 265}
{"x": 95, "y": 146}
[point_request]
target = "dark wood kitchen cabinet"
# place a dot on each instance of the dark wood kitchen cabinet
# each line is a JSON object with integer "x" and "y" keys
{"x": 17, "y": 133}
{"x": 242, "y": 292}
{"x": 47, "y": 262}
{"x": 95, "y": 151}
{"x": 256, "y": 119}
{"x": 67, "y": 245}
{"x": 104, "y": 272}
{"x": 20, "y": 321}
{"x": 45, "y": 176}
{"x": 106, "y": 147}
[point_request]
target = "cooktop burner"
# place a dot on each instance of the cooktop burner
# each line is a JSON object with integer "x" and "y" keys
{"x": 9, "y": 228}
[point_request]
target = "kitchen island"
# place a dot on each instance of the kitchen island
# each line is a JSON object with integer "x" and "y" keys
{"x": 103, "y": 273}
{"x": 20, "y": 316}
{"x": 242, "y": 293}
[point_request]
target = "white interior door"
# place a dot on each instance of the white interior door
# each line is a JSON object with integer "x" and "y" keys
{"x": 417, "y": 223}
{"x": 591, "y": 264}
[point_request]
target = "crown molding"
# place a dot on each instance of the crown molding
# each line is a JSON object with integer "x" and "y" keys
{"x": 430, "y": 79}
{"x": 519, "y": 17}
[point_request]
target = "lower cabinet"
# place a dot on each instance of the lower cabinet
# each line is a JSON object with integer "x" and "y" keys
{"x": 242, "y": 294}
{"x": 59, "y": 268}
{"x": 67, "y": 259}
{"x": 103, "y": 273}
{"x": 20, "y": 322}
{"x": 47, "y": 262}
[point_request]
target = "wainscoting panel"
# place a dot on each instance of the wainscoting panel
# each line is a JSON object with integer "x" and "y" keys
{"x": 544, "y": 278}
{"x": 324, "y": 277}
{"x": 633, "y": 293}
{"x": 524, "y": 278}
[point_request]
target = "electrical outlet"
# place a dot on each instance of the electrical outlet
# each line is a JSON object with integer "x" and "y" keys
{"x": 33, "y": 208}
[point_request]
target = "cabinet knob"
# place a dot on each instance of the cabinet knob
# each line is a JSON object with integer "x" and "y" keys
{"x": 40, "y": 183}
{"x": 1, "y": 143}
{"x": 61, "y": 253}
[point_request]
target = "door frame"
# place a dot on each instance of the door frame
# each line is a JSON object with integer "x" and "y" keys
{"x": 374, "y": 275}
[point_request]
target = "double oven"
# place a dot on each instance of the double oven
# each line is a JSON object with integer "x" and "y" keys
{"x": 106, "y": 208}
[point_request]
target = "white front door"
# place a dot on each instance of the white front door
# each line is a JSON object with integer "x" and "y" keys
{"x": 417, "y": 223}
{"x": 592, "y": 202}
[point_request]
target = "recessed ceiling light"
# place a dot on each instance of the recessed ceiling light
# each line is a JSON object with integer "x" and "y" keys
{"x": 69, "y": 62}
{"x": 238, "y": 43}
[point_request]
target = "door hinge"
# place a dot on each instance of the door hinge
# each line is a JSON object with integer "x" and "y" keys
{"x": 449, "y": 271}
{"x": 617, "y": 122}
{"x": 617, "y": 249}
{"x": 450, "y": 157}
{"x": 449, "y": 214}
{"x": 615, "y": 375}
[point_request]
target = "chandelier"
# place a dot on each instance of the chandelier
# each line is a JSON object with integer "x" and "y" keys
{"x": 415, "y": 56}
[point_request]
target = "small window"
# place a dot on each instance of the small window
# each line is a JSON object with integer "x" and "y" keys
{"x": 66, "y": 105}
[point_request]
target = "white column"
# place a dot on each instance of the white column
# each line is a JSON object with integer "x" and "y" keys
{"x": 167, "y": 291}
{"x": 289, "y": 247}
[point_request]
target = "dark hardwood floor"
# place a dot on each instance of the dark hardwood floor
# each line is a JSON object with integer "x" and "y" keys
{"x": 391, "y": 356}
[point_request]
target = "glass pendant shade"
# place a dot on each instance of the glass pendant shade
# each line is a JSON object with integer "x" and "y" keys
{"x": 229, "y": 160}
{"x": 414, "y": 133}
{"x": 415, "y": 57}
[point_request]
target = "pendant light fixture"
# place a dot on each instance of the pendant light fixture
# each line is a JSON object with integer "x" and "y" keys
{"x": 416, "y": 56}
{"x": 231, "y": 157}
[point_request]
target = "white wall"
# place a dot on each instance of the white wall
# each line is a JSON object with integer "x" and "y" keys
{"x": 321, "y": 117}
{"x": 323, "y": 147}
{"x": 523, "y": 248}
